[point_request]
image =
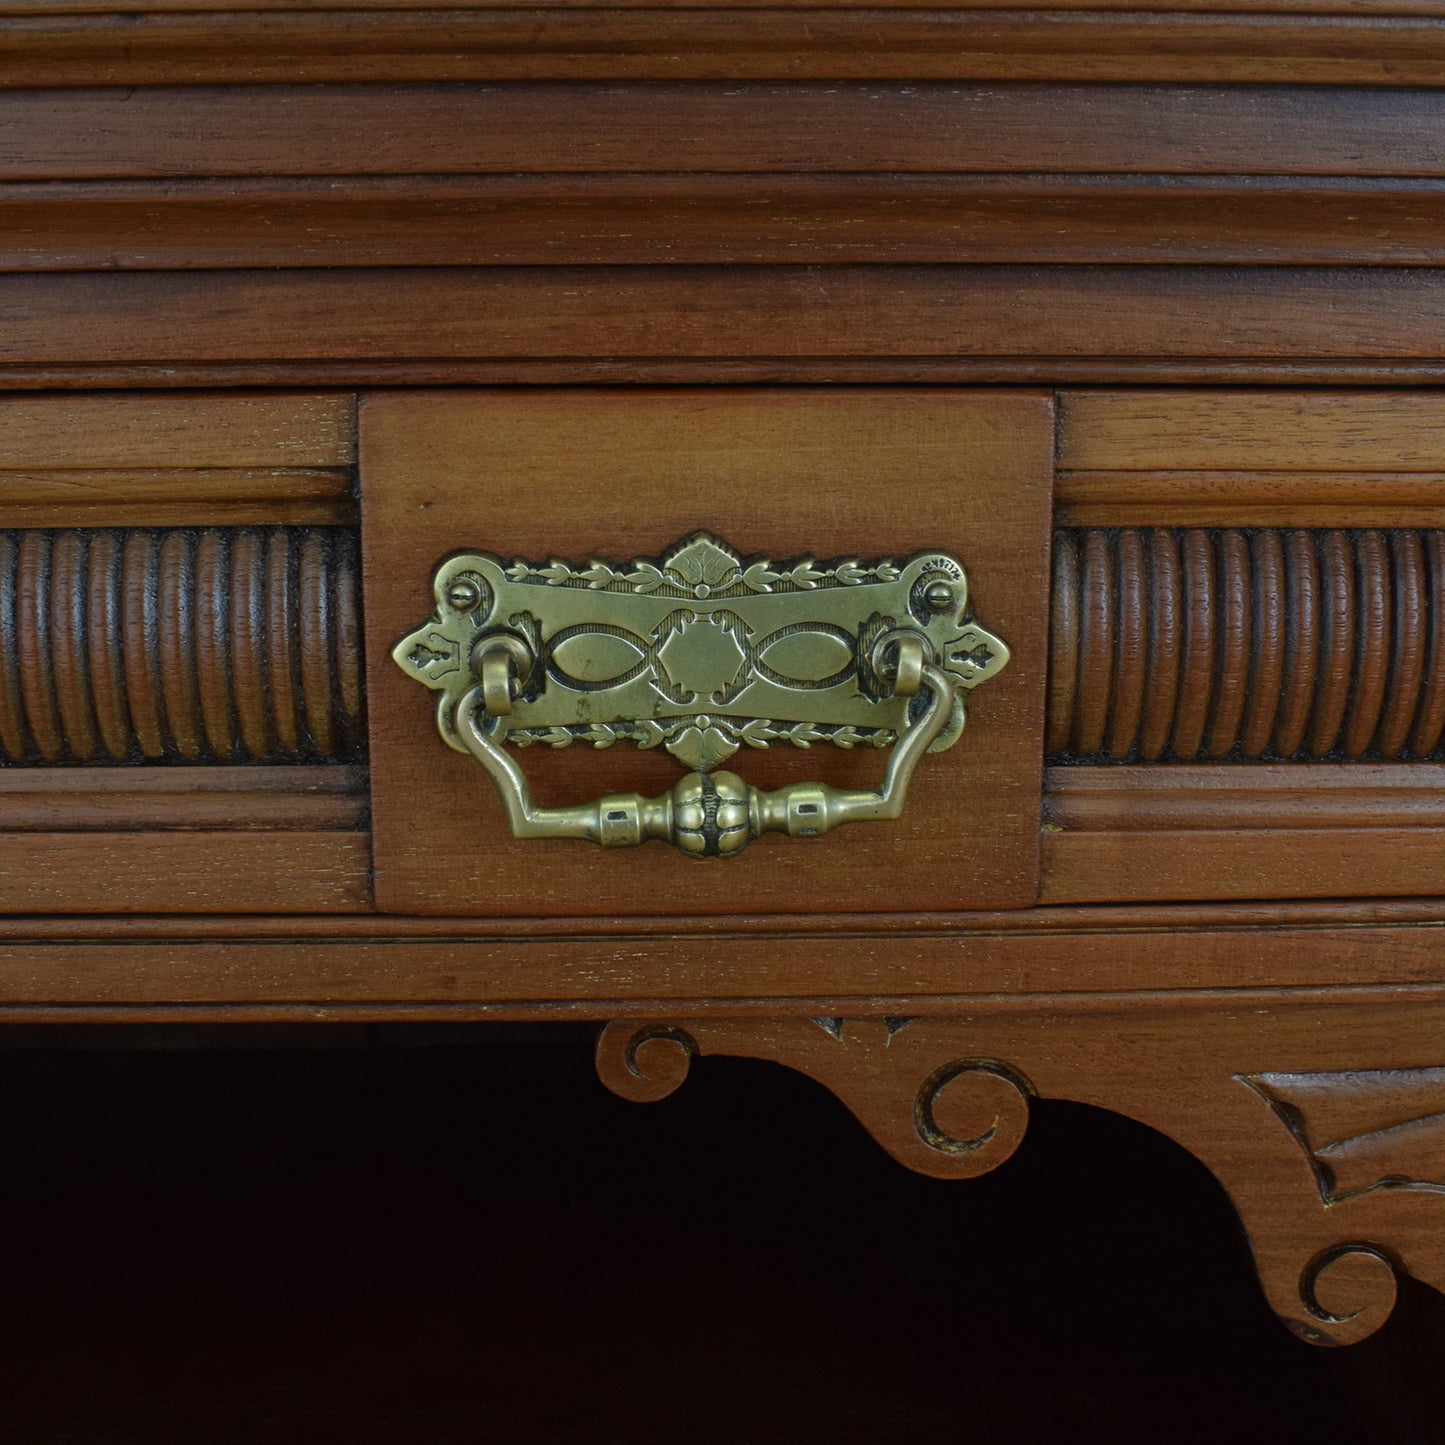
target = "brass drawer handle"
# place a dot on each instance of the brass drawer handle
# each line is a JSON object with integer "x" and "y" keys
{"x": 701, "y": 652}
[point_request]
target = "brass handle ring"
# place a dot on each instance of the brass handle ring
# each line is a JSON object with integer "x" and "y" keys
{"x": 713, "y": 815}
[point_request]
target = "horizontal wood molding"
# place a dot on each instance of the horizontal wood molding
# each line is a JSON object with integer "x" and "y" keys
{"x": 180, "y": 646}
{"x": 1250, "y": 499}
{"x": 1034, "y": 371}
{"x": 334, "y": 972}
{"x": 717, "y": 219}
{"x": 1168, "y": 7}
{"x": 178, "y": 430}
{"x": 227, "y": 870}
{"x": 177, "y": 497}
{"x": 1199, "y": 798}
{"x": 924, "y": 126}
{"x": 1195, "y": 645}
{"x": 1129, "y": 834}
{"x": 570, "y": 42}
{"x": 1149, "y": 834}
{"x": 295, "y": 798}
{"x": 1278, "y": 431}
{"x": 786, "y": 312}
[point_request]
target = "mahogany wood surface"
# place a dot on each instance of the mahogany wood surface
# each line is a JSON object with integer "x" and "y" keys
{"x": 114, "y": 799}
{"x": 642, "y": 127}
{"x": 716, "y": 42}
{"x": 1322, "y": 1124}
{"x": 700, "y": 219}
{"x": 787, "y": 312}
{"x": 873, "y": 473}
{"x": 179, "y": 645}
{"x": 1207, "y": 240}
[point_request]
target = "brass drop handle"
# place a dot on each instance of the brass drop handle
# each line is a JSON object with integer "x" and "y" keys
{"x": 704, "y": 815}
{"x": 702, "y": 652}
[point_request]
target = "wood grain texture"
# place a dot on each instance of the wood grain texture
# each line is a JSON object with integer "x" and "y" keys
{"x": 180, "y": 430}
{"x": 1147, "y": 834}
{"x": 1250, "y": 499}
{"x": 1196, "y": 645}
{"x": 1183, "y": 7}
{"x": 927, "y": 126}
{"x": 585, "y": 43}
{"x": 787, "y": 312}
{"x": 1281, "y": 431}
{"x": 717, "y": 219}
{"x": 111, "y": 800}
{"x": 339, "y": 966}
{"x": 1256, "y": 1094}
{"x": 163, "y": 871}
{"x": 180, "y": 646}
{"x": 1031, "y": 371}
{"x": 177, "y": 497}
{"x": 782, "y": 473}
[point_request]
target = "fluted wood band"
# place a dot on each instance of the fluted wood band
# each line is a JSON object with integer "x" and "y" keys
{"x": 166, "y": 644}
{"x": 1276, "y": 643}
{"x": 243, "y": 644}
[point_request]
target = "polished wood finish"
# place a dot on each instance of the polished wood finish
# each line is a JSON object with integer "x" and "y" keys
{"x": 1323, "y": 1124}
{"x": 404, "y": 43}
{"x": 178, "y": 645}
{"x": 231, "y": 870}
{"x": 643, "y": 127}
{"x": 1284, "y": 831}
{"x": 1207, "y": 238}
{"x": 1190, "y": 313}
{"x": 114, "y": 799}
{"x": 777, "y": 473}
{"x": 1199, "y": 645}
{"x": 700, "y": 219}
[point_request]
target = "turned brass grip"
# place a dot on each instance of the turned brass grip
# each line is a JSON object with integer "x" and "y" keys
{"x": 701, "y": 652}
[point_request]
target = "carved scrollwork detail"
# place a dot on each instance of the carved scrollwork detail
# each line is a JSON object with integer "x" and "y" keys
{"x": 1348, "y": 1292}
{"x": 1337, "y": 1172}
{"x": 972, "y": 1105}
{"x": 954, "y": 1121}
{"x": 649, "y": 1064}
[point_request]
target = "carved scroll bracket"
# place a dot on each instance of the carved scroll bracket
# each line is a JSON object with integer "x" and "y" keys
{"x": 1337, "y": 1168}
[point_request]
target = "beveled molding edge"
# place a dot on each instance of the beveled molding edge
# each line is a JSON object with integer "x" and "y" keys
{"x": 1323, "y": 1121}
{"x": 162, "y": 44}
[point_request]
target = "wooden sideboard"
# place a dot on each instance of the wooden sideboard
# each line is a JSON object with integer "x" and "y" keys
{"x": 1138, "y": 313}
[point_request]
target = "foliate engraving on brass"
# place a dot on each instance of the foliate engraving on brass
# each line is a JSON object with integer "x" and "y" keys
{"x": 701, "y": 651}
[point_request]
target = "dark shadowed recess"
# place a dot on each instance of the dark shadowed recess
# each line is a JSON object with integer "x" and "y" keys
{"x": 432, "y": 1234}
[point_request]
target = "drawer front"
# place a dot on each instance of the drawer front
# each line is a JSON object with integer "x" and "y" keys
{"x": 578, "y": 475}
{"x": 1243, "y": 643}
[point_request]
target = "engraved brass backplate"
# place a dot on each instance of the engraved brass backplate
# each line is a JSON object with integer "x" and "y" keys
{"x": 700, "y": 651}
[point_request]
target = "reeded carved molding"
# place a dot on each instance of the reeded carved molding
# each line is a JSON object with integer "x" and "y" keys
{"x": 1332, "y": 1157}
{"x": 148, "y": 645}
{"x": 1194, "y": 645}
